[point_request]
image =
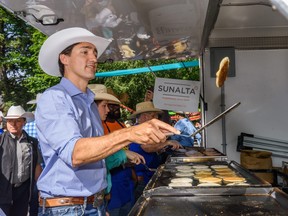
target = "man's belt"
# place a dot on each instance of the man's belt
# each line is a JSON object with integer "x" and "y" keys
{"x": 96, "y": 199}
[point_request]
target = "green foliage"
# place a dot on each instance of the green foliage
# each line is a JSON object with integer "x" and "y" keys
{"x": 135, "y": 85}
{"x": 14, "y": 50}
{"x": 21, "y": 76}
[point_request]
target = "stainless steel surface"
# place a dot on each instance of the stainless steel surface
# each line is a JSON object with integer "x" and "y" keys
{"x": 162, "y": 177}
{"x": 270, "y": 202}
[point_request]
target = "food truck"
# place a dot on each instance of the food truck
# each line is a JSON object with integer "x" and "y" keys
{"x": 253, "y": 34}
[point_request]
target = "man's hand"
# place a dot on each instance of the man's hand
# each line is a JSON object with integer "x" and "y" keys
{"x": 134, "y": 157}
{"x": 151, "y": 132}
{"x": 174, "y": 144}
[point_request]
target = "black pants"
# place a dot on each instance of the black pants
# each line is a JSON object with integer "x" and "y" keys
{"x": 20, "y": 196}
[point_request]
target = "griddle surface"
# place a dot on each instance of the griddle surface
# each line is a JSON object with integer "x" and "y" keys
{"x": 213, "y": 205}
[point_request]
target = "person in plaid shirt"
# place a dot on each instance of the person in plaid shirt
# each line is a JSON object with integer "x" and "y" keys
{"x": 30, "y": 127}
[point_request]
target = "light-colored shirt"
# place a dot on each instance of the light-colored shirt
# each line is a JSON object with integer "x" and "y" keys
{"x": 30, "y": 128}
{"x": 186, "y": 127}
{"x": 23, "y": 160}
{"x": 64, "y": 114}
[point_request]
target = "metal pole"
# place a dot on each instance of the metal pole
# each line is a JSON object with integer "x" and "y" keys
{"x": 224, "y": 144}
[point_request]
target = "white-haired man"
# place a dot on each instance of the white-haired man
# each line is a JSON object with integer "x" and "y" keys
{"x": 19, "y": 164}
{"x": 70, "y": 131}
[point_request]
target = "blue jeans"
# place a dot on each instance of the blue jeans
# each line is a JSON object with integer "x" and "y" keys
{"x": 75, "y": 210}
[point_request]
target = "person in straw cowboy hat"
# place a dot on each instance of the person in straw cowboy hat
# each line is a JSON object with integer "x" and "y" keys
{"x": 30, "y": 127}
{"x": 69, "y": 127}
{"x": 119, "y": 175}
{"x": 19, "y": 168}
{"x": 145, "y": 111}
{"x": 118, "y": 159}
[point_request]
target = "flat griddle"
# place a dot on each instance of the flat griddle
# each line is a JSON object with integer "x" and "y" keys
{"x": 269, "y": 203}
{"x": 166, "y": 172}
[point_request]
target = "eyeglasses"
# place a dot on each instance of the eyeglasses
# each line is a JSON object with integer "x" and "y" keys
{"x": 113, "y": 106}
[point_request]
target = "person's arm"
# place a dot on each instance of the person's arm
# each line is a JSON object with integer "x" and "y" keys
{"x": 156, "y": 148}
{"x": 87, "y": 150}
{"x": 38, "y": 168}
{"x": 38, "y": 171}
{"x": 57, "y": 122}
{"x": 116, "y": 159}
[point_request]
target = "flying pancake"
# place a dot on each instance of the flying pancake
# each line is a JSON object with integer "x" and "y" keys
{"x": 222, "y": 72}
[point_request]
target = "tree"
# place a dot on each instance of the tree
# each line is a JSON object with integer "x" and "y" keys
{"x": 135, "y": 85}
{"x": 21, "y": 77}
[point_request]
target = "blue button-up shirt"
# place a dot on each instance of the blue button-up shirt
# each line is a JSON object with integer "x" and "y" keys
{"x": 64, "y": 114}
{"x": 186, "y": 127}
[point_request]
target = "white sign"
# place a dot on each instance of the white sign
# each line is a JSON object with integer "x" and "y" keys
{"x": 176, "y": 95}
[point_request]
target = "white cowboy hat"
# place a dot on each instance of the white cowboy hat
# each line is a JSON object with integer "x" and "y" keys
{"x": 15, "y": 112}
{"x": 100, "y": 92}
{"x": 143, "y": 107}
{"x": 34, "y": 101}
{"x": 57, "y": 42}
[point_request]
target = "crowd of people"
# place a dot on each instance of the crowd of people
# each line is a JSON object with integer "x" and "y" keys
{"x": 83, "y": 157}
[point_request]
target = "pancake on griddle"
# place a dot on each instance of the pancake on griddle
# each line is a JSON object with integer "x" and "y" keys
{"x": 234, "y": 179}
{"x": 179, "y": 184}
{"x": 212, "y": 153}
{"x": 203, "y": 173}
{"x": 200, "y": 166}
{"x": 185, "y": 170}
{"x": 183, "y": 167}
{"x": 184, "y": 174}
{"x": 183, "y": 180}
{"x": 218, "y": 166}
{"x": 224, "y": 171}
{"x": 206, "y": 184}
{"x": 199, "y": 176}
{"x": 203, "y": 170}
{"x": 210, "y": 180}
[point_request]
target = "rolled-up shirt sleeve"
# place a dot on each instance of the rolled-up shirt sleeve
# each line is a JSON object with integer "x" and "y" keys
{"x": 57, "y": 124}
